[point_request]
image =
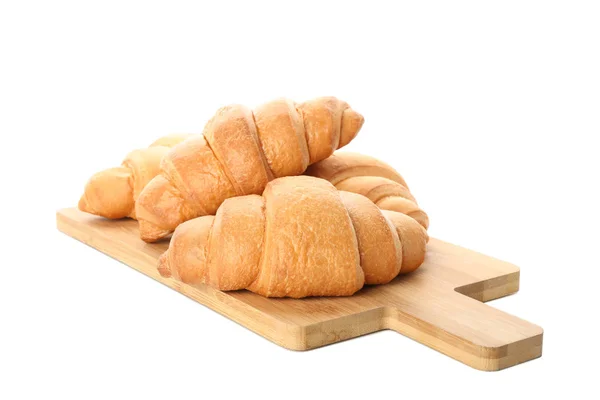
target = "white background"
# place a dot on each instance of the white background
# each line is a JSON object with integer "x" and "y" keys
{"x": 490, "y": 110}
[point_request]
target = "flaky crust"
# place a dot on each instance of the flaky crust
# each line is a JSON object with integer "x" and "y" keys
{"x": 112, "y": 193}
{"x": 301, "y": 238}
{"x": 240, "y": 152}
{"x": 372, "y": 178}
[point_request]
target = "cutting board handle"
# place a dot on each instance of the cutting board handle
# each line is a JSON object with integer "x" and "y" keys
{"x": 468, "y": 330}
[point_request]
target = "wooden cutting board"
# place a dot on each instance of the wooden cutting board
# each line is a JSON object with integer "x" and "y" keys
{"x": 439, "y": 305}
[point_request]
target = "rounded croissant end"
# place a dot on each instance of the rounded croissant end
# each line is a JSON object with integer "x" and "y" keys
{"x": 351, "y": 124}
{"x": 413, "y": 237}
{"x": 159, "y": 209}
{"x": 164, "y": 269}
{"x": 421, "y": 217}
{"x": 151, "y": 233}
{"x": 83, "y": 205}
{"x": 109, "y": 194}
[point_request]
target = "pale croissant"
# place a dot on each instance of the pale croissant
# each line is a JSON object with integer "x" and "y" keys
{"x": 301, "y": 238}
{"x": 239, "y": 153}
{"x": 372, "y": 178}
{"x": 112, "y": 193}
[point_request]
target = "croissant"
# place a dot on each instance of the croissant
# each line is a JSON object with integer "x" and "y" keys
{"x": 112, "y": 193}
{"x": 372, "y": 178}
{"x": 301, "y": 238}
{"x": 239, "y": 153}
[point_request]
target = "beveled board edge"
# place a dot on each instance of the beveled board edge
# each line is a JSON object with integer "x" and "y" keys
{"x": 261, "y": 323}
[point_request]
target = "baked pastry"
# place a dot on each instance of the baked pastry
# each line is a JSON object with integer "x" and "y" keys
{"x": 112, "y": 193}
{"x": 372, "y": 178}
{"x": 301, "y": 238}
{"x": 239, "y": 153}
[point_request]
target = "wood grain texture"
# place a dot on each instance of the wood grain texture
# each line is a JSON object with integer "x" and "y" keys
{"x": 439, "y": 305}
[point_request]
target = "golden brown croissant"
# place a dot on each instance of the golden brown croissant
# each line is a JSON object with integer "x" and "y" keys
{"x": 241, "y": 150}
{"x": 301, "y": 238}
{"x": 112, "y": 193}
{"x": 372, "y": 178}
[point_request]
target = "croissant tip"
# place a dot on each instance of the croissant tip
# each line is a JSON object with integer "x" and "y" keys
{"x": 351, "y": 124}
{"x": 163, "y": 266}
{"x": 152, "y": 237}
{"x": 421, "y": 217}
{"x": 83, "y": 205}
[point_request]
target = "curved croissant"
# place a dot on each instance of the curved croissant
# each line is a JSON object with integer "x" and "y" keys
{"x": 372, "y": 178}
{"x": 112, "y": 193}
{"x": 302, "y": 238}
{"x": 240, "y": 152}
